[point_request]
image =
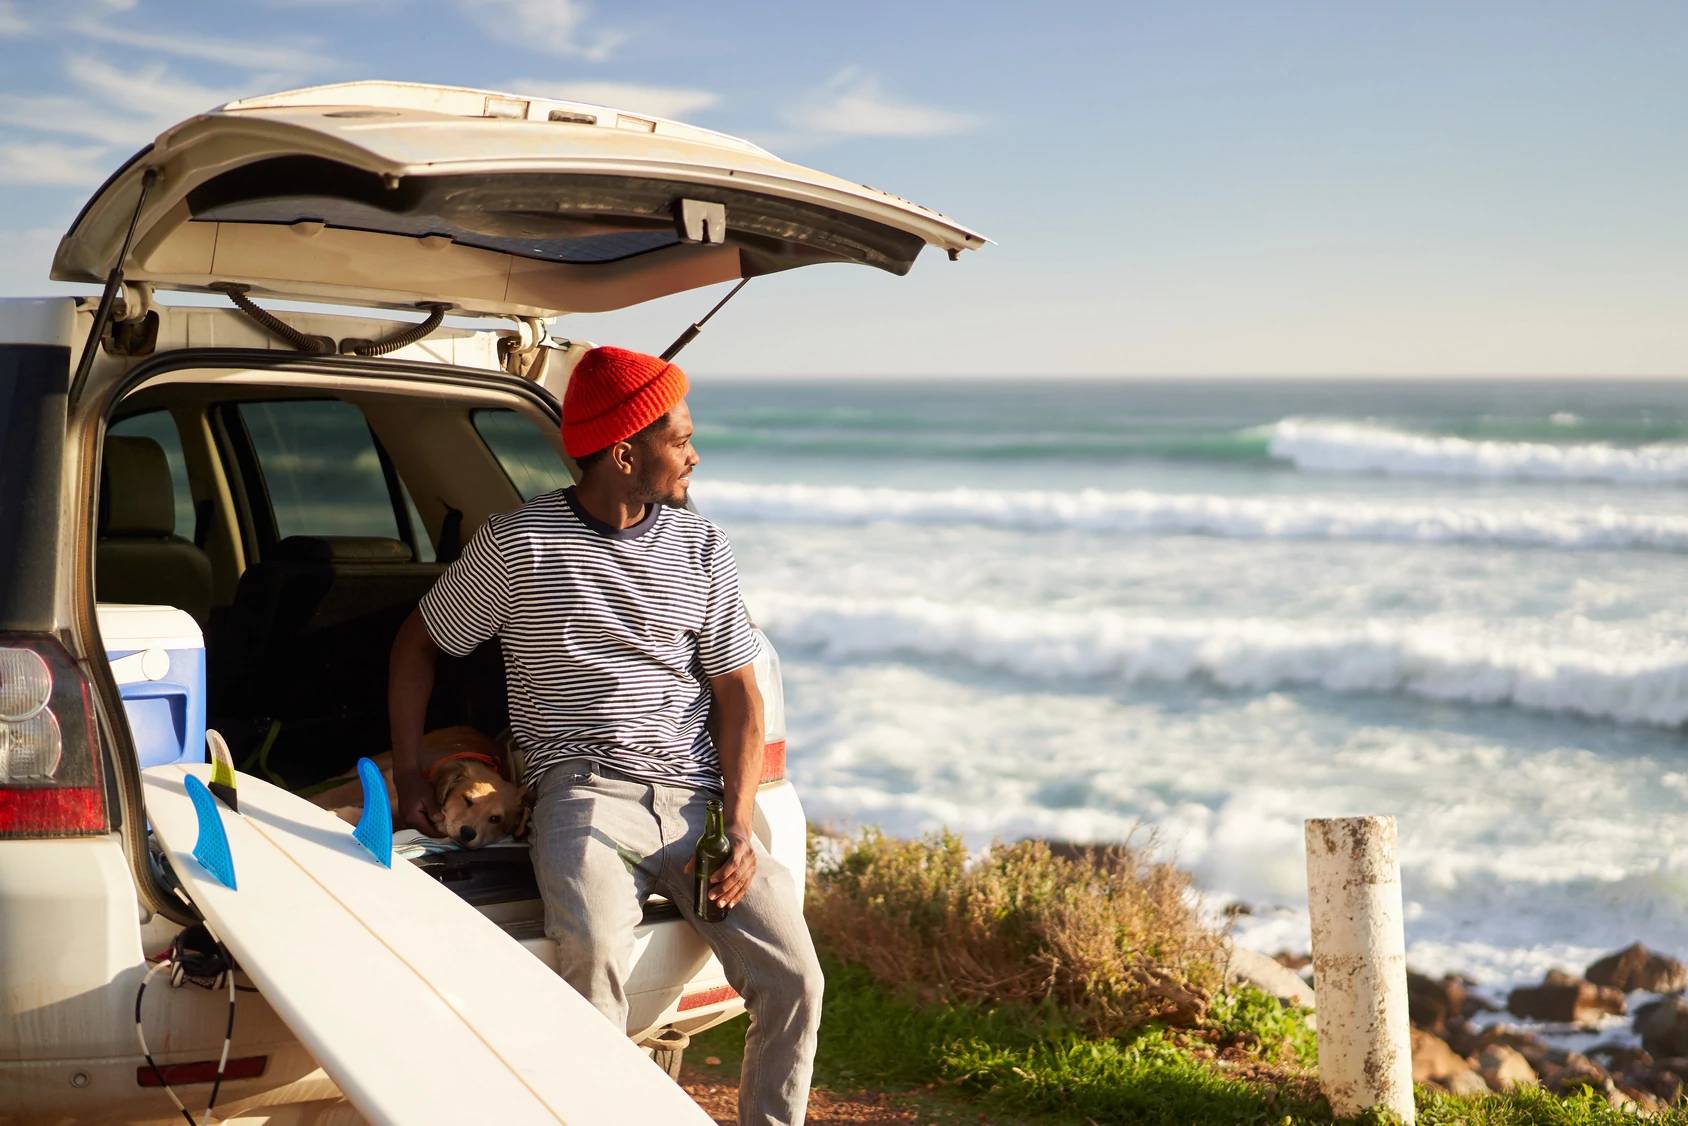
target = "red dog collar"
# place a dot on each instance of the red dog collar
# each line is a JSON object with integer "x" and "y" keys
{"x": 462, "y": 756}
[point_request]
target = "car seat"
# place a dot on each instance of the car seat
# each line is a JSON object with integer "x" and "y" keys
{"x": 138, "y": 557}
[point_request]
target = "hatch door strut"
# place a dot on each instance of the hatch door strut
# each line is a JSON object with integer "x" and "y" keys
{"x": 114, "y": 282}
{"x": 690, "y": 334}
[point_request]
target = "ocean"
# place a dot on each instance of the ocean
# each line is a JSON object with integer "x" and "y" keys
{"x": 1197, "y": 612}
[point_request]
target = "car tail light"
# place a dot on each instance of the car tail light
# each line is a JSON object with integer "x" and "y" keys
{"x": 704, "y": 997}
{"x": 51, "y": 784}
{"x": 773, "y": 712}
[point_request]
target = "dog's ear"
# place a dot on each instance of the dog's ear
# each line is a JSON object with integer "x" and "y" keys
{"x": 528, "y": 799}
{"x": 448, "y": 778}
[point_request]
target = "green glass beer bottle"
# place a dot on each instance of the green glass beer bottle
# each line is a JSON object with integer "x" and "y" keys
{"x": 713, "y": 849}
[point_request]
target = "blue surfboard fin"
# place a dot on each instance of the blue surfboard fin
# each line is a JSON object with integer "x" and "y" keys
{"x": 212, "y": 847}
{"x": 375, "y": 823}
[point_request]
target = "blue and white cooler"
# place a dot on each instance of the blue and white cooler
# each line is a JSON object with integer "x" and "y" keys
{"x": 157, "y": 656}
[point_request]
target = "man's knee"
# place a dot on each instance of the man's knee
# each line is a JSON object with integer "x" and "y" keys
{"x": 794, "y": 989}
{"x": 594, "y": 968}
{"x": 811, "y": 991}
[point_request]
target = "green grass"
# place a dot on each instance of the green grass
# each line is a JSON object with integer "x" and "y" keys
{"x": 1019, "y": 1064}
{"x": 1036, "y": 986}
{"x": 1030, "y": 1065}
{"x": 1535, "y": 1107}
{"x": 1256, "y": 1021}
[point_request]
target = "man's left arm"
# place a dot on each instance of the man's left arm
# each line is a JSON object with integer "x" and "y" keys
{"x": 738, "y": 707}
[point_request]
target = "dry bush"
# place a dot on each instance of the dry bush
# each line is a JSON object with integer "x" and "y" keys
{"x": 1106, "y": 934}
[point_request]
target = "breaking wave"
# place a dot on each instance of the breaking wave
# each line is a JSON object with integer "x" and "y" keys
{"x": 1467, "y": 666}
{"x": 1146, "y": 513}
{"x": 1336, "y": 446}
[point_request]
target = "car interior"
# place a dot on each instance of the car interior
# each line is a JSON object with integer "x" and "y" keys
{"x": 299, "y": 526}
{"x": 298, "y": 535}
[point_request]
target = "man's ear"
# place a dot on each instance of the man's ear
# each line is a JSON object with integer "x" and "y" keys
{"x": 621, "y": 458}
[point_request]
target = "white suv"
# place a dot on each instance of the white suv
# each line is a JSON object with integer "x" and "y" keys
{"x": 284, "y": 488}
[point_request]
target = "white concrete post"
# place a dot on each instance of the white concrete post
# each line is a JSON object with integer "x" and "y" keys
{"x": 1359, "y": 965}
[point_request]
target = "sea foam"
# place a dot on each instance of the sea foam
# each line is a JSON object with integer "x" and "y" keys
{"x": 1469, "y": 665}
{"x": 1146, "y": 513}
{"x": 1336, "y": 446}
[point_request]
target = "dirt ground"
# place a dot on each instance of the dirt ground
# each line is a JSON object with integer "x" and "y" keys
{"x": 716, "y": 1090}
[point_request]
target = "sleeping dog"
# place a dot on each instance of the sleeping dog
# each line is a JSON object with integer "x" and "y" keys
{"x": 478, "y": 805}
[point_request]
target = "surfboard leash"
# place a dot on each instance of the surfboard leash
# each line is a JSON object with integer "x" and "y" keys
{"x": 196, "y": 958}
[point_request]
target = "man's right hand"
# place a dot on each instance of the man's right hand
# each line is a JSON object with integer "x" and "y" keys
{"x": 419, "y": 809}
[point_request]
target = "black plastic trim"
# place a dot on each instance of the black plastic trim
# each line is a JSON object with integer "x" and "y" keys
{"x": 101, "y": 190}
{"x": 34, "y": 404}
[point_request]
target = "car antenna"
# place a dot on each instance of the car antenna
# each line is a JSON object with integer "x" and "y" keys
{"x": 697, "y": 326}
{"x": 114, "y": 281}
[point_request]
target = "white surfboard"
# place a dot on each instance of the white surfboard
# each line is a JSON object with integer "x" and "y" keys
{"x": 420, "y": 1008}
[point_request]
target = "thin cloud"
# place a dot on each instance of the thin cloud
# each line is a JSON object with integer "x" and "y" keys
{"x": 25, "y": 256}
{"x": 167, "y": 99}
{"x": 552, "y": 27}
{"x": 68, "y": 115}
{"x": 659, "y": 101}
{"x": 49, "y": 163}
{"x": 10, "y": 22}
{"x": 106, "y": 107}
{"x": 255, "y": 55}
{"x": 853, "y": 104}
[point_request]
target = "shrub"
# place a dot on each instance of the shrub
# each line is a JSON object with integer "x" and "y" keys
{"x": 1106, "y": 937}
{"x": 1265, "y": 1027}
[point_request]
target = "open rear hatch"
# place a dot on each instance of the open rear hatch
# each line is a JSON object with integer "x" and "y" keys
{"x": 395, "y": 195}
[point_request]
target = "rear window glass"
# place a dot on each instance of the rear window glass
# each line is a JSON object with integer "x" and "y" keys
{"x": 577, "y": 218}
{"x": 161, "y": 428}
{"x": 528, "y": 456}
{"x": 321, "y": 469}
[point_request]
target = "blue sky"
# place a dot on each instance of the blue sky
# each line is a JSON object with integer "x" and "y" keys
{"x": 1175, "y": 188}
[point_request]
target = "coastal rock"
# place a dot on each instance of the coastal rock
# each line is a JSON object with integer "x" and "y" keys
{"x": 1663, "y": 1027}
{"x": 1268, "y": 976}
{"x": 1640, "y": 1075}
{"x": 1504, "y": 1068}
{"x": 1531, "y": 1047}
{"x": 1665, "y": 1078}
{"x": 1565, "y": 998}
{"x": 1620, "y": 1058}
{"x": 1438, "y": 1065}
{"x": 1290, "y": 960}
{"x": 1432, "y": 1004}
{"x": 1641, "y": 1097}
{"x": 1636, "y": 967}
{"x": 1563, "y": 1072}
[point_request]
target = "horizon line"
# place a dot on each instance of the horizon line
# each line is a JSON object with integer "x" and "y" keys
{"x": 1215, "y": 376}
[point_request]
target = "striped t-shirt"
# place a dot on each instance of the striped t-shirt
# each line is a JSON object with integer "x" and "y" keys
{"x": 609, "y": 634}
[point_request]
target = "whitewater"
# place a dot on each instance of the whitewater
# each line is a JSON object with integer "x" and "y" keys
{"x": 1340, "y": 446}
{"x": 1145, "y": 513}
{"x": 1199, "y": 613}
{"x": 1460, "y": 663}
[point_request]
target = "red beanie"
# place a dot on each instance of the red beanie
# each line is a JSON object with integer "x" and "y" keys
{"x": 613, "y": 394}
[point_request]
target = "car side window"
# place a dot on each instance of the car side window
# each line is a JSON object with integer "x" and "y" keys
{"x": 528, "y": 456}
{"x": 161, "y": 428}
{"x": 321, "y": 469}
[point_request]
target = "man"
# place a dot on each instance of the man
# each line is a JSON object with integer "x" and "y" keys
{"x": 622, "y": 625}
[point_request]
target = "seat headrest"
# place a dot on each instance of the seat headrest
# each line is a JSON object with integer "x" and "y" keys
{"x": 136, "y": 497}
{"x": 340, "y": 549}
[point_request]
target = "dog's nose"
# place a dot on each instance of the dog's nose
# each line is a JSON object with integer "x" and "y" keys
{"x": 466, "y": 834}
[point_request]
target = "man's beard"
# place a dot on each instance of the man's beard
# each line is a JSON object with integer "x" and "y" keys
{"x": 650, "y": 489}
